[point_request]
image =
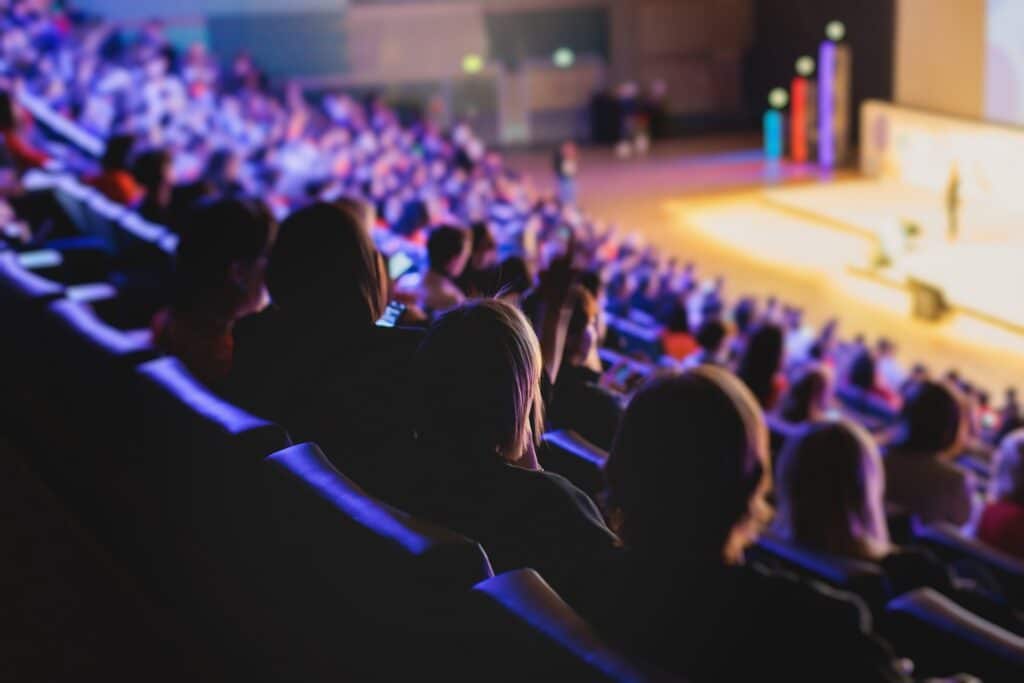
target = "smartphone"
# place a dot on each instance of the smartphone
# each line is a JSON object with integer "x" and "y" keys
{"x": 392, "y": 314}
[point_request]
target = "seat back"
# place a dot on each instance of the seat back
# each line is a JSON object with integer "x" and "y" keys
{"x": 517, "y": 613}
{"x": 315, "y": 507}
{"x": 944, "y": 639}
{"x": 971, "y": 554}
{"x": 865, "y": 579}
{"x": 567, "y": 453}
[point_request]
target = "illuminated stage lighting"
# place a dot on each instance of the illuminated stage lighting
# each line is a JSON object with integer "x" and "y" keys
{"x": 826, "y": 104}
{"x": 563, "y": 58}
{"x": 472, "y": 64}
{"x": 798, "y": 119}
{"x": 805, "y": 66}
{"x": 778, "y": 98}
{"x": 835, "y": 30}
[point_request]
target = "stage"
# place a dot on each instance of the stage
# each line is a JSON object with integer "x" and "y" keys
{"x": 776, "y": 230}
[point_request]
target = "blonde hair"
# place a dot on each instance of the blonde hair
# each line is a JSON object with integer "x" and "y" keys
{"x": 480, "y": 367}
{"x": 831, "y": 491}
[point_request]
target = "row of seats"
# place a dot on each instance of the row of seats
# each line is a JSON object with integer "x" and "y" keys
{"x": 267, "y": 549}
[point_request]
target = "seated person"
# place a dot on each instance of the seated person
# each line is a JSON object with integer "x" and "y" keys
{"x": 806, "y": 401}
{"x": 1002, "y": 520}
{"x": 447, "y": 255}
{"x": 477, "y": 424}
{"x": 578, "y": 402}
{"x": 830, "y": 493}
{"x": 710, "y": 341}
{"x": 315, "y": 361}
{"x": 676, "y": 340}
{"x": 863, "y": 394}
{"x": 921, "y": 476}
{"x": 687, "y": 479}
{"x": 152, "y": 170}
{"x": 115, "y": 180}
{"x": 480, "y": 277}
{"x": 760, "y": 364}
{"x": 23, "y": 154}
{"x": 218, "y": 278}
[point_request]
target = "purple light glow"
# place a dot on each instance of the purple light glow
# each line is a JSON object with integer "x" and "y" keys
{"x": 826, "y": 103}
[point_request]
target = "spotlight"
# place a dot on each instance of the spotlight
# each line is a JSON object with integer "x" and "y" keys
{"x": 778, "y": 98}
{"x": 835, "y": 30}
{"x": 805, "y": 66}
{"x": 563, "y": 58}
{"x": 472, "y": 63}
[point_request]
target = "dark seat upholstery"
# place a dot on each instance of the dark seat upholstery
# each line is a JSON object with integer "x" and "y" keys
{"x": 338, "y": 566}
{"x": 971, "y": 556}
{"x": 518, "y": 612}
{"x": 567, "y": 453}
{"x": 865, "y": 579}
{"x": 943, "y": 638}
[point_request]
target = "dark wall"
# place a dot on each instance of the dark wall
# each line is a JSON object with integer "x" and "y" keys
{"x": 786, "y": 29}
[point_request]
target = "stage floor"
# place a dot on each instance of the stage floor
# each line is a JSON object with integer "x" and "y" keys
{"x": 706, "y": 201}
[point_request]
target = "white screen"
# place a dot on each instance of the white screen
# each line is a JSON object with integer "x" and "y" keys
{"x": 1004, "y": 61}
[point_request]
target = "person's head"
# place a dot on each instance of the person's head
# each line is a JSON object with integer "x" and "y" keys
{"x": 807, "y": 398}
{"x": 744, "y": 315}
{"x": 117, "y": 153}
{"x": 1008, "y": 469}
{"x": 678, "y": 318}
{"x": 514, "y": 278}
{"x": 689, "y": 468}
{"x": 761, "y": 361}
{"x": 324, "y": 263}
{"x": 932, "y": 419}
{"x": 711, "y": 335}
{"x": 830, "y": 487}
{"x": 221, "y": 258}
{"x": 583, "y": 334}
{"x": 485, "y": 249}
{"x": 448, "y": 250}
{"x": 152, "y": 169}
{"x": 222, "y": 168}
{"x": 478, "y": 372}
{"x": 862, "y": 370}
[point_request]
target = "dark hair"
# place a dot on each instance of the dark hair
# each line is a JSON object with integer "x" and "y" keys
{"x": 513, "y": 276}
{"x": 7, "y": 118}
{"x": 591, "y": 279}
{"x": 148, "y": 168}
{"x": 218, "y": 233}
{"x": 744, "y": 313}
{"x": 483, "y": 240}
{"x": 931, "y": 418}
{"x": 862, "y": 370}
{"x": 711, "y": 334}
{"x": 801, "y": 396}
{"x": 445, "y": 243}
{"x": 324, "y": 262}
{"x": 689, "y": 456}
{"x": 584, "y": 309}
{"x": 117, "y": 152}
{"x": 677, "y": 318}
{"x": 216, "y": 167}
{"x": 478, "y": 372}
{"x": 761, "y": 361}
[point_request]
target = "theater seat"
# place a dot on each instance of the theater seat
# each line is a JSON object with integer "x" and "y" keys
{"x": 865, "y": 579}
{"x": 972, "y": 556}
{"x": 526, "y": 631}
{"x": 567, "y": 453}
{"x": 943, "y": 639}
{"x": 339, "y": 566}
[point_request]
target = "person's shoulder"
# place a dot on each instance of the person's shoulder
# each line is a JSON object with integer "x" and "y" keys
{"x": 550, "y": 491}
{"x": 824, "y": 606}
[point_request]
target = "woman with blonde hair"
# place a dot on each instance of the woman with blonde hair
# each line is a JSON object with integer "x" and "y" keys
{"x": 478, "y": 419}
{"x": 687, "y": 479}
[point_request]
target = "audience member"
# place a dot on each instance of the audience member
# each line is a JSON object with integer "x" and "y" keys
{"x": 579, "y": 402}
{"x": 1002, "y": 520}
{"x": 921, "y": 478}
{"x": 114, "y": 179}
{"x": 315, "y": 359}
{"x": 676, "y": 340}
{"x": 448, "y": 251}
{"x": 22, "y": 152}
{"x": 760, "y": 364}
{"x": 477, "y": 423}
{"x": 710, "y": 339}
{"x": 687, "y": 477}
{"x": 218, "y": 278}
